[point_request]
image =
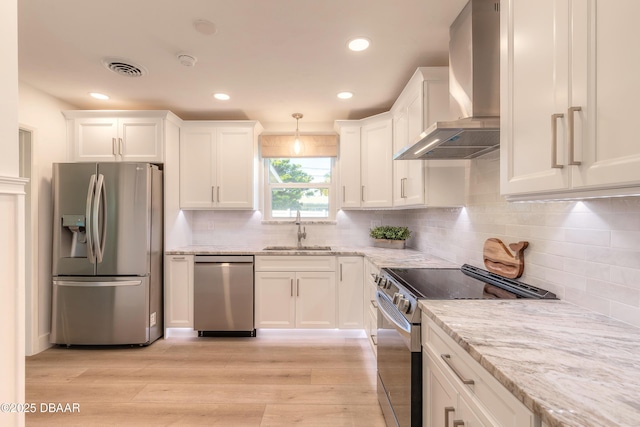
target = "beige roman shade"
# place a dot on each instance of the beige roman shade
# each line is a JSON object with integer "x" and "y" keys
{"x": 279, "y": 146}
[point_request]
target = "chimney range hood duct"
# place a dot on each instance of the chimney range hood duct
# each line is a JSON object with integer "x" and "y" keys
{"x": 474, "y": 88}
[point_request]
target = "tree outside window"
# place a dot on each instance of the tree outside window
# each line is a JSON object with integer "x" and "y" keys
{"x": 299, "y": 184}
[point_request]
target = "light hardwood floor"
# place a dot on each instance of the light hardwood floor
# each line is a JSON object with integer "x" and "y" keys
{"x": 280, "y": 378}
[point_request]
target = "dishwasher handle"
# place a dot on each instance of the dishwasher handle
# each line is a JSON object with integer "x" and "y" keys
{"x": 223, "y": 258}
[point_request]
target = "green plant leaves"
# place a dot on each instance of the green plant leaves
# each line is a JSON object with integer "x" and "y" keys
{"x": 390, "y": 232}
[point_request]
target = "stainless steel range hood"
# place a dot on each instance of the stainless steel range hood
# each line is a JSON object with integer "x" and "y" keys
{"x": 474, "y": 88}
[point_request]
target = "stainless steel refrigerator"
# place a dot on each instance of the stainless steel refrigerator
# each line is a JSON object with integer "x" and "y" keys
{"x": 107, "y": 254}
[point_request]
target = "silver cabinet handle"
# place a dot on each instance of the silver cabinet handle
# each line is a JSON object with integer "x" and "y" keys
{"x": 446, "y": 414}
{"x": 213, "y": 196}
{"x": 177, "y": 257}
{"x": 341, "y": 272}
{"x": 554, "y": 140}
{"x": 297, "y": 287}
{"x": 447, "y": 360}
{"x": 571, "y": 134}
{"x": 120, "y": 144}
{"x": 291, "y": 287}
{"x": 113, "y": 146}
{"x": 458, "y": 423}
{"x": 362, "y": 193}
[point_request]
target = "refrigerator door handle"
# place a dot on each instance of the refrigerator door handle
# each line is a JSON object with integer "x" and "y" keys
{"x": 89, "y": 226}
{"x": 100, "y": 205}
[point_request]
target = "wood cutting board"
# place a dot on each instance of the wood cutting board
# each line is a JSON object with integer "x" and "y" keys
{"x": 498, "y": 258}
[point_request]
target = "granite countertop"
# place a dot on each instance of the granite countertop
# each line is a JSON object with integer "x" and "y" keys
{"x": 571, "y": 366}
{"x": 381, "y": 257}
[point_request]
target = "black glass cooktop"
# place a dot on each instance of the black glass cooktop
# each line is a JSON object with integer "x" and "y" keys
{"x": 467, "y": 282}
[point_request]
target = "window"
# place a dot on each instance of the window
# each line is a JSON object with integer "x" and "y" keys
{"x": 301, "y": 183}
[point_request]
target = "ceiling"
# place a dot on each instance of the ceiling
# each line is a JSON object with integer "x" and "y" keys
{"x": 273, "y": 57}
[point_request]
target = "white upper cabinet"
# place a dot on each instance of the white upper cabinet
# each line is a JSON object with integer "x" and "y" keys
{"x": 218, "y": 165}
{"x": 113, "y": 136}
{"x": 424, "y": 101}
{"x": 376, "y": 162}
{"x": 568, "y": 98}
{"x": 365, "y": 162}
{"x": 350, "y": 188}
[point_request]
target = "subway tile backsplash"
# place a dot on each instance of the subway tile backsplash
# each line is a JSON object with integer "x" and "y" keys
{"x": 587, "y": 252}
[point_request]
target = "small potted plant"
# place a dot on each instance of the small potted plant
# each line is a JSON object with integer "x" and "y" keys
{"x": 388, "y": 236}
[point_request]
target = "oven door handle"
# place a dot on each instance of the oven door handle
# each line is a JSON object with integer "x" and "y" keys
{"x": 385, "y": 306}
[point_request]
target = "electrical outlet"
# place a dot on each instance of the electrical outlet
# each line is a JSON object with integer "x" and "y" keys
{"x": 152, "y": 319}
{"x": 375, "y": 223}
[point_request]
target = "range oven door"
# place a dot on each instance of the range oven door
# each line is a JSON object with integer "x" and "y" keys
{"x": 399, "y": 366}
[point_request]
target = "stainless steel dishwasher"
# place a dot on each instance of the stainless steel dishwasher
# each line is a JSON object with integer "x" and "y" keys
{"x": 223, "y": 295}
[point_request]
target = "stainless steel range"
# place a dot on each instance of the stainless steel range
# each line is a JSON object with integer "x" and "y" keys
{"x": 399, "y": 349}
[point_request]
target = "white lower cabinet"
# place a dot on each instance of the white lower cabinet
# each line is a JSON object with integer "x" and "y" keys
{"x": 178, "y": 291}
{"x": 350, "y": 284}
{"x": 370, "y": 305}
{"x": 295, "y": 292}
{"x": 449, "y": 396}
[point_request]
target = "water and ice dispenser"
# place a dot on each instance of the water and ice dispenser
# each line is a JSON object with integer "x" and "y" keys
{"x": 73, "y": 242}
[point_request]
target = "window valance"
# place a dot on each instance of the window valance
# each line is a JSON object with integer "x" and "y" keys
{"x": 279, "y": 146}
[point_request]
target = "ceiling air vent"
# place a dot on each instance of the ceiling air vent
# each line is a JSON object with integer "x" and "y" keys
{"x": 124, "y": 67}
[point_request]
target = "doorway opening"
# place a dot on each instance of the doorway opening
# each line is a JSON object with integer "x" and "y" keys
{"x": 25, "y": 140}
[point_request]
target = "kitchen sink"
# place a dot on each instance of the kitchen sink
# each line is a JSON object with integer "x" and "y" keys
{"x": 297, "y": 248}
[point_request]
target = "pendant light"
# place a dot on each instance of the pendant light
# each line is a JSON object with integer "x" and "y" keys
{"x": 298, "y": 147}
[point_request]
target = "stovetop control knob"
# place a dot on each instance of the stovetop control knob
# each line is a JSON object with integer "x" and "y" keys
{"x": 404, "y": 305}
{"x": 382, "y": 282}
{"x": 397, "y": 297}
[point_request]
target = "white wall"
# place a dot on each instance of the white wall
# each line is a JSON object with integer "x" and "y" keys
{"x": 11, "y": 223}
{"x": 587, "y": 252}
{"x": 41, "y": 114}
{"x": 9, "y": 87}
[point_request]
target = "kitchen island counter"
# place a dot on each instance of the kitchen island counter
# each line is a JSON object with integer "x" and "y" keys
{"x": 381, "y": 257}
{"x": 571, "y": 366}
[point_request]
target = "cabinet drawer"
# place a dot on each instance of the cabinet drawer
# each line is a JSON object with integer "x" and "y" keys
{"x": 295, "y": 263}
{"x": 494, "y": 400}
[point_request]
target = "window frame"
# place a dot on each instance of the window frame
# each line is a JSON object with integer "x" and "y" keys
{"x": 268, "y": 187}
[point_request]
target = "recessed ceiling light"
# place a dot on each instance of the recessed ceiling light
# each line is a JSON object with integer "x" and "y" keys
{"x": 97, "y": 95}
{"x": 345, "y": 95}
{"x": 359, "y": 44}
{"x": 187, "y": 60}
{"x": 221, "y": 96}
{"x": 205, "y": 27}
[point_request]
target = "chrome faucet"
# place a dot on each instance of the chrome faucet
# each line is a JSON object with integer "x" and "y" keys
{"x": 302, "y": 234}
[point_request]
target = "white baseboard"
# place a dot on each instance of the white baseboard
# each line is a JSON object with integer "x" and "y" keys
{"x": 180, "y": 333}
